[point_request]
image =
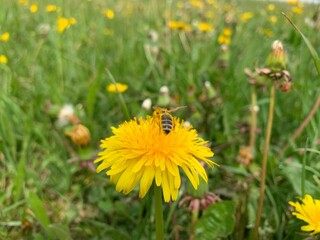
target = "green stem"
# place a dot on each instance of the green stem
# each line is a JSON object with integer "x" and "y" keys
{"x": 158, "y": 212}
{"x": 264, "y": 162}
{"x": 122, "y": 102}
{"x": 253, "y": 125}
{"x": 194, "y": 219}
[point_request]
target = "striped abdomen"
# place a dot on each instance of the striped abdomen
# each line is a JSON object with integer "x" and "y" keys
{"x": 166, "y": 123}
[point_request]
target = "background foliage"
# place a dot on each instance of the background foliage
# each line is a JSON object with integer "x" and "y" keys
{"x": 49, "y": 186}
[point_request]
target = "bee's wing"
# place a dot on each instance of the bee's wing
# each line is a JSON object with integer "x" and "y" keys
{"x": 177, "y": 108}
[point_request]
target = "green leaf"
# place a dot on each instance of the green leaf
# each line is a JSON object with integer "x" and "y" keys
{"x": 217, "y": 221}
{"x": 39, "y": 210}
{"x": 60, "y": 231}
{"x": 312, "y": 51}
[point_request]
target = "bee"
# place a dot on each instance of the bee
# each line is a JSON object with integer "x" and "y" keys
{"x": 164, "y": 118}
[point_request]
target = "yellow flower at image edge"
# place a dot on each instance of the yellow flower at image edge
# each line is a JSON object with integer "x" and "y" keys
{"x": 308, "y": 211}
{"x": 113, "y": 87}
{"x": 5, "y": 37}
{"x": 140, "y": 152}
{"x": 3, "y": 59}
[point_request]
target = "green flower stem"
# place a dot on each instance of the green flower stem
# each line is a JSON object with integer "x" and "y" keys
{"x": 264, "y": 162}
{"x": 194, "y": 219}
{"x": 158, "y": 212}
{"x": 253, "y": 125}
{"x": 122, "y": 102}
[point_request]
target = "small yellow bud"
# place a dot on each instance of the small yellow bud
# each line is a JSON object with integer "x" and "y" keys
{"x": 80, "y": 135}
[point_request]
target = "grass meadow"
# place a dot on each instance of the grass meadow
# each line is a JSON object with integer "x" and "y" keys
{"x": 57, "y": 59}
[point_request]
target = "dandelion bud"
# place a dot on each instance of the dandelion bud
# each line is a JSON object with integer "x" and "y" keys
{"x": 43, "y": 30}
{"x": 164, "y": 90}
{"x": 153, "y": 36}
{"x": 164, "y": 98}
{"x": 64, "y": 115}
{"x": 210, "y": 90}
{"x": 277, "y": 58}
{"x": 147, "y": 104}
{"x": 80, "y": 135}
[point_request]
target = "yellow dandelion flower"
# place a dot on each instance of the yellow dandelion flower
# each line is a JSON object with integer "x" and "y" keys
{"x": 51, "y": 8}
{"x": 179, "y": 26}
{"x": 196, "y": 3}
{"x": 5, "y": 37}
{"x": 244, "y": 17}
{"x": 227, "y": 32}
{"x": 3, "y": 59}
{"x": 308, "y": 211}
{"x": 271, "y": 7}
{"x": 297, "y": 10}
{"x": 23, "y": 2}
{"x": 108, "y": 13}
{"x": 222, "y": 39}
{"x": 65, "y": 23}
{"x": 33, "y": 8}
{"x": 80, "y": 135}
{"x": 140, "y": 152}
{"x": 273, "y": 19}
{"x": 113, "y": 87}
{"x": 293, "y": 2}
{"x": 205, "y": 27}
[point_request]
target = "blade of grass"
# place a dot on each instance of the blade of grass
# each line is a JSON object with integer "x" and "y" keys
{"x": 312, "y": 51}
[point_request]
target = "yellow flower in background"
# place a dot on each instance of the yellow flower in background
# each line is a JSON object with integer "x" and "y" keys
{"x": 297, "y": 10}
{"x": 108, "y": 13}
{"x": 179, "y": 26}
{"x": 293, "y": 2}
{"x": 271, "y": 7}
{"x": 80, "y": 135}
{"x": 224, "y": 40}
{"x": 244, "y": 17}
{"x": 196, "y": 3}
{"x": 227, "y": 32}
{"x": 113, "y": 87}
{"x": 33, "y": 8}
{"x": 64, "y": 23}
{"x": 225, "y": 36}
{"x": 273, "y": 19}
{"x": 141, "y": 153}
{"x": 5, "y": 37}
{"x": 23, "y": 2}
{"x": 3, "y": 59}
{"x": 309, "y": 212}
{"x": 205, "y": 27}
{"x": 51, "y": 8}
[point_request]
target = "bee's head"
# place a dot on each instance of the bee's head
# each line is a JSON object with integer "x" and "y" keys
{"x": 157, "y": 111}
